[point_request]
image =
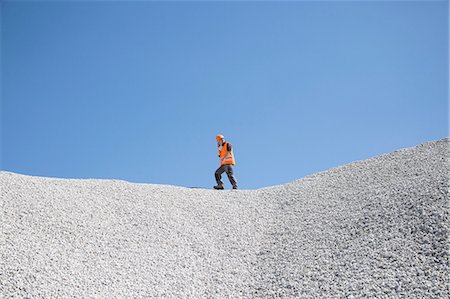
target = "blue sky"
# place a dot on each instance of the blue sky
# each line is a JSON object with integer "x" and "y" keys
{"x": 138, "y": 90}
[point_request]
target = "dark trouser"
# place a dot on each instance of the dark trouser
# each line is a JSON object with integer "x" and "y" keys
{"x": 228, "y": 168}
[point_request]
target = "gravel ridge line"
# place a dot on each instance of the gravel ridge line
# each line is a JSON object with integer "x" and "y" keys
{"x": 376, "y": 228}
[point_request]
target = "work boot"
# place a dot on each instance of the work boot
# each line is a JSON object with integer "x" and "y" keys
{"x": 218, "y": 187}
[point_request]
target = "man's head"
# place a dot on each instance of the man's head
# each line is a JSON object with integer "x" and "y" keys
{"x": 220, "y": 139}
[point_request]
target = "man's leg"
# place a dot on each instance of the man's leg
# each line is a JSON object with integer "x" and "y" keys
{"x": 218, "y": 175}
{"x": 230, "y": 174}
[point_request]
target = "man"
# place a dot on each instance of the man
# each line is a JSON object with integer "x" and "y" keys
{"x": 226, "y": 163}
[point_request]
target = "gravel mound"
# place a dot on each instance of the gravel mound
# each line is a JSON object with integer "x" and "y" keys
{"x": 374, "y": 228}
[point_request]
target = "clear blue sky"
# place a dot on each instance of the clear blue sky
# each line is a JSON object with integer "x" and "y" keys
{"x": 138, "y": 90}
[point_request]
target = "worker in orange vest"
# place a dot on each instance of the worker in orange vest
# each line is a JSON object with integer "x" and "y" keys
{"x": 226, "y": 163}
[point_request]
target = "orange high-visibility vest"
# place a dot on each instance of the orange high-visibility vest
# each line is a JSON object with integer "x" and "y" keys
{"x": 230, "y": 158}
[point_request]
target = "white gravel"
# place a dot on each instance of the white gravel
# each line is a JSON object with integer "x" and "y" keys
{"x": 377, "y": 228}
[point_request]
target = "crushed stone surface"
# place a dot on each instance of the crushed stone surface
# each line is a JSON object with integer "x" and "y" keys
{"x": 376, "y": 228}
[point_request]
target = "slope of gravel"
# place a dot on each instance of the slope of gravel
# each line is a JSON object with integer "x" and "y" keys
{"x": 374, "y": 228}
